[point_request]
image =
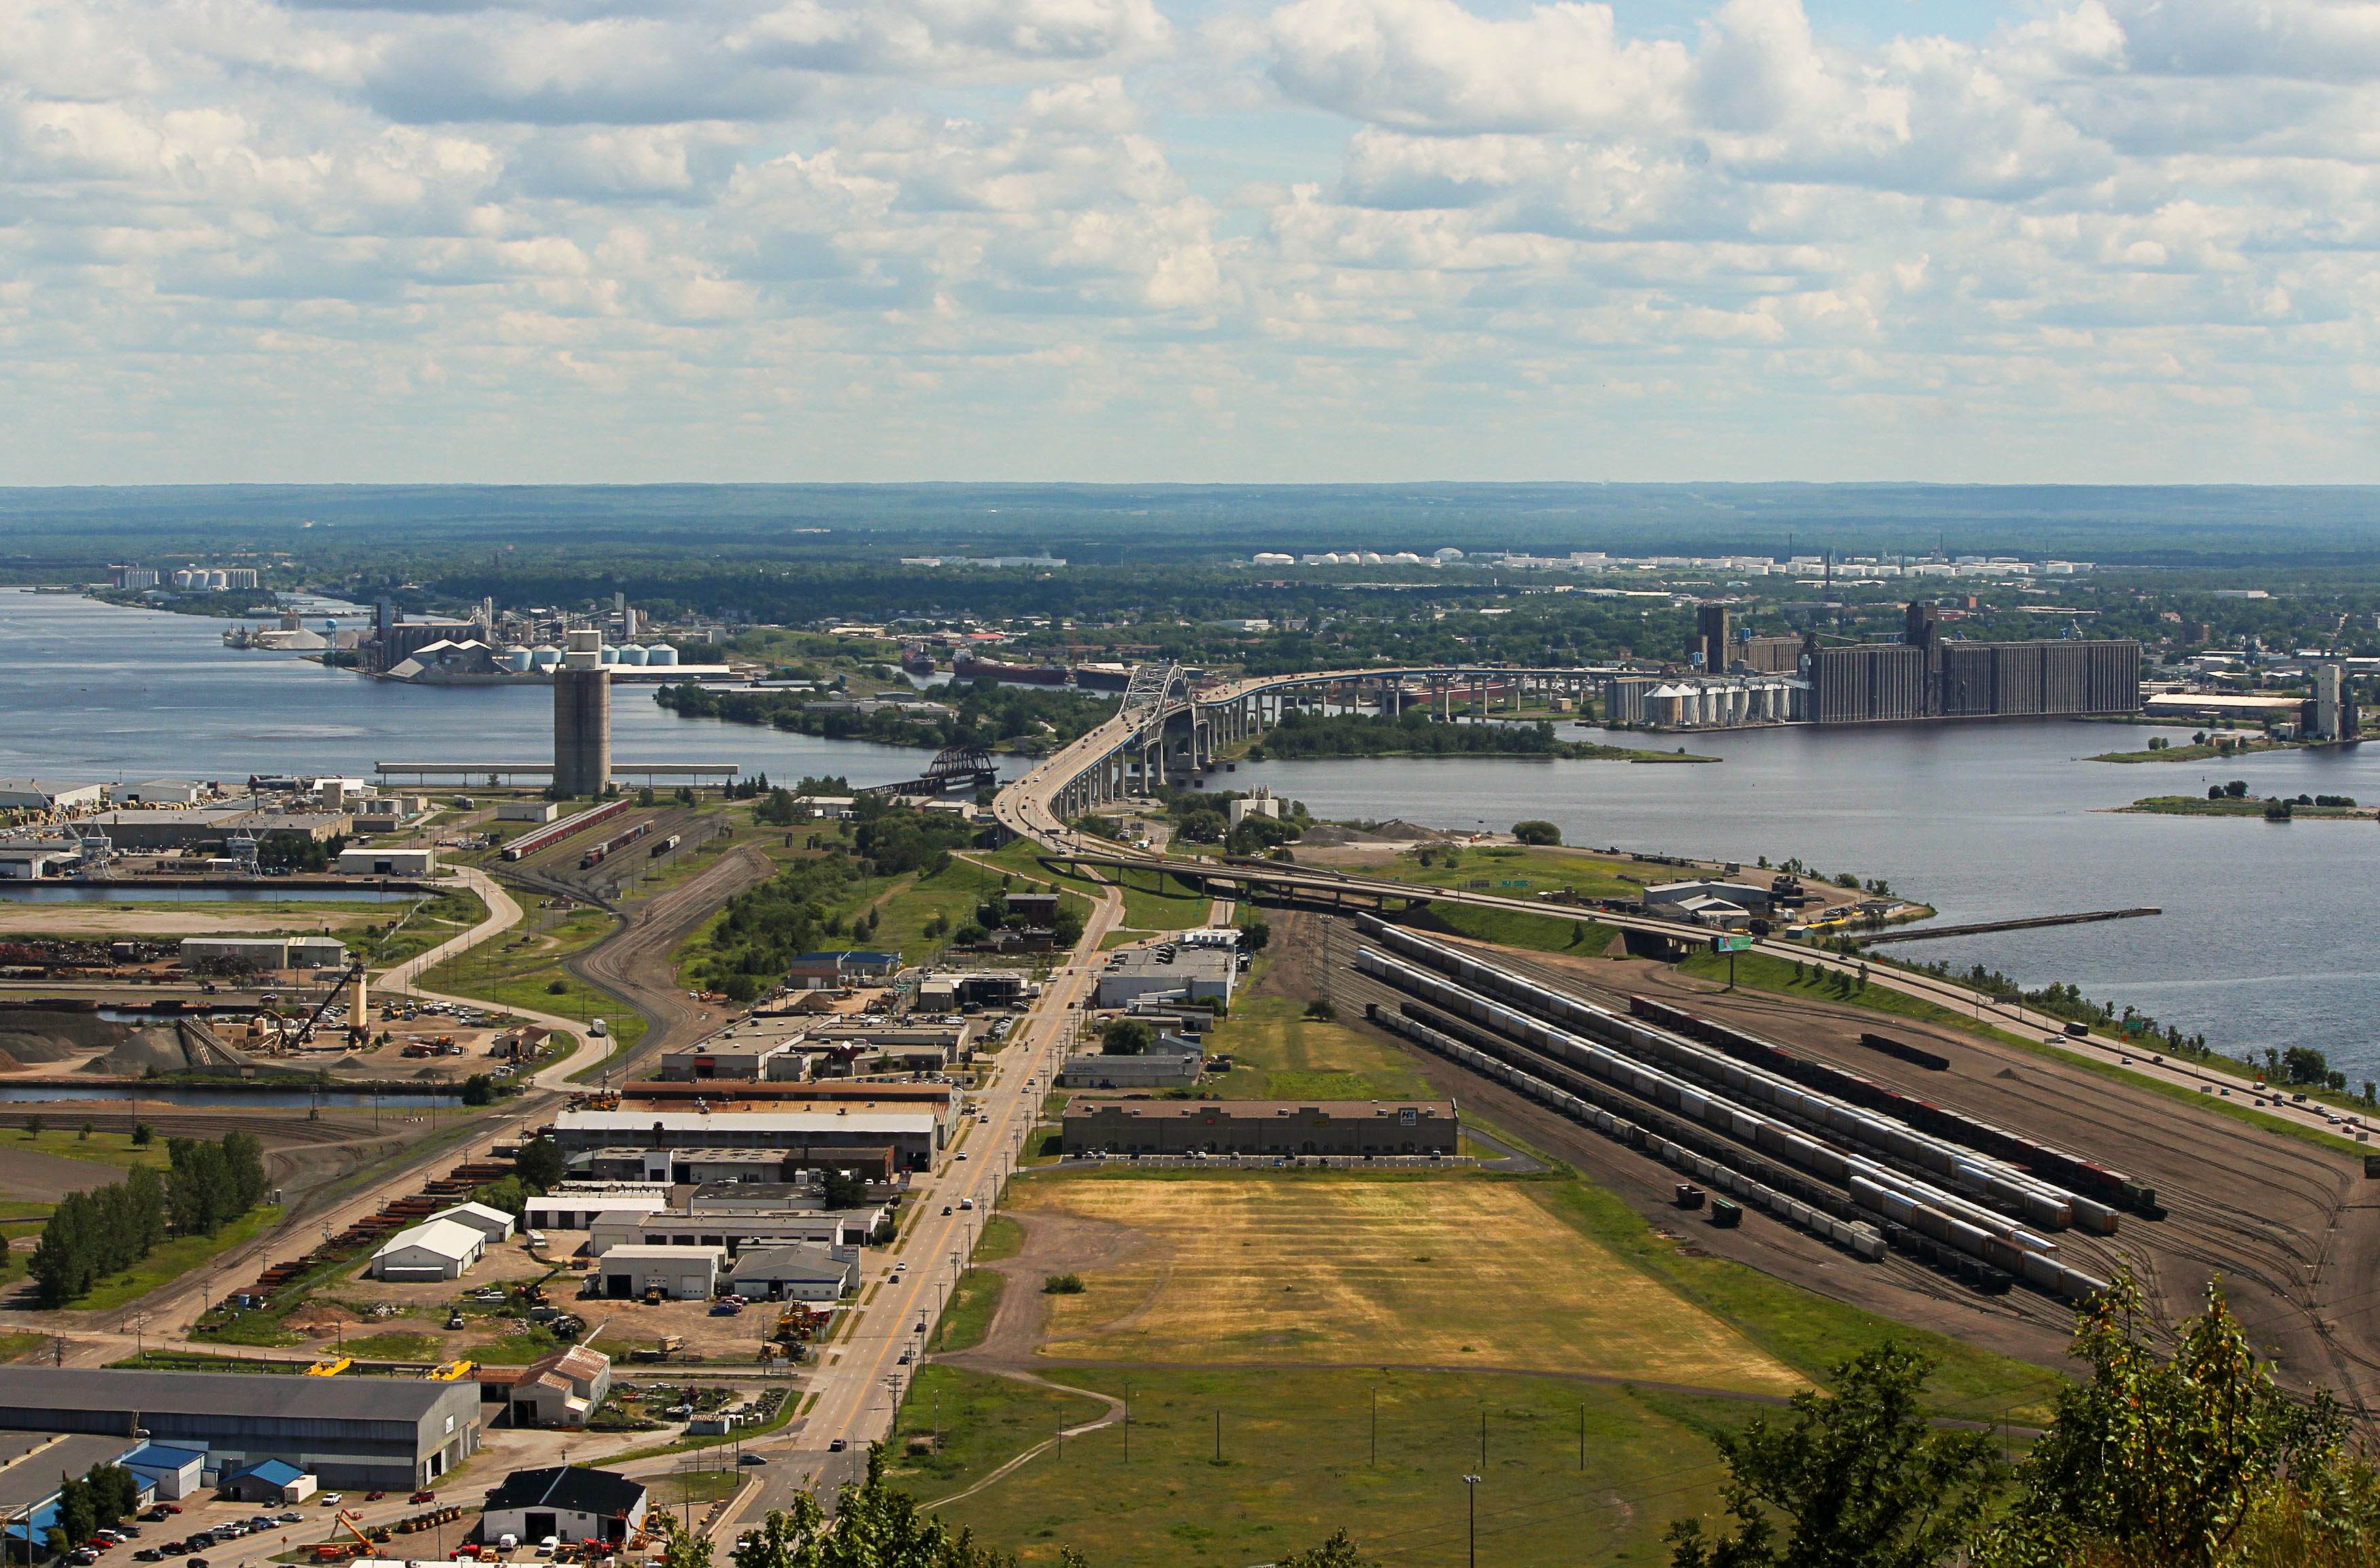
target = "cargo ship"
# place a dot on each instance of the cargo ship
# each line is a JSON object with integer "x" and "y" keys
{"x": 968, "y": 667}
{"x": 918, "y": 659}
{"x": 1102, "y": 677}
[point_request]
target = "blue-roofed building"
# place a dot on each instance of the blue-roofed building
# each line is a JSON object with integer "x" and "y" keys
{"x": 270, "y": 1480}
{"x": 173, "y": 1472}
{"x": 33, "y": 1465}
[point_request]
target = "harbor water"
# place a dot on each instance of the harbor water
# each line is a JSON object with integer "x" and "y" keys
{"x": 2260, "y": 944}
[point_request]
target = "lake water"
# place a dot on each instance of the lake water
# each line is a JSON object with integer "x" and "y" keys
{"x": 93, "y": 691}
{"x": 2260, "y": 944}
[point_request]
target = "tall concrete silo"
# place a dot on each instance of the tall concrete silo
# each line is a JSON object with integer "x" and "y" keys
{"x": 582, "y": 717}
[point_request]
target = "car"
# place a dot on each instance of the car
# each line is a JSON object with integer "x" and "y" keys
{"x": 263, "y": 1521}
{"x": 837, "y": 1446}
{"x": 148, "y": 1554}
{"x": 374, "y": 1496}
{"x": 424, "y": 1495}
{"x": 507, "y": 1542}
{"x": 902, "y": 1267}
{"x": 725, "y": 1310}
{"x": 291, "y": 1517}
{"x": 196, "y": 1563}
{"x": 962, "y": 1154}
{"x": 904, "y": 1359}
{"x": 753, "y": 1459}
{"x": 947, "y": 1208}
{"x": 545, "y": 1548}
{"x": 965, "y": 1203}
{"x": 333, "y": 1500}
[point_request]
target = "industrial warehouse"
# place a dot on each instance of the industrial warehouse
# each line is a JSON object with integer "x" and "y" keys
{"x": 402, "y": 1434}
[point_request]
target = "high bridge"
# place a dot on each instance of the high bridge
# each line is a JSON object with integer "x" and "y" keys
{"x": 1170, "y": 728}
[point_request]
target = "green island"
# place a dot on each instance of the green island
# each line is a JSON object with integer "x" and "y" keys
{"x": 1310, "y": 738}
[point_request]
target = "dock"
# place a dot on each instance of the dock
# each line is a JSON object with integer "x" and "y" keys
{"x": 1980, "y": 928}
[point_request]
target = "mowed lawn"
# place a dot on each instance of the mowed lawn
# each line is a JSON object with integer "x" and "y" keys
{"x": 1279, "y": 1053}
{"x": 1448, "y": 1271}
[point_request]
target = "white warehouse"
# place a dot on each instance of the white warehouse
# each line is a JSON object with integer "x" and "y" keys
{"x": 435, "y": 1249}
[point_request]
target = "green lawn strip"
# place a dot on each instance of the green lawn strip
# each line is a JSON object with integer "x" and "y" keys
{"x": 1298, "y": 1462}
{"x": 1152, "y": 901}
{"x": 24, "y": 1211}
{"x": 434, "y": 920}
{"x": 968, "y": 1316}
{"x": 1509, "y": 928}
{"x": 1801, "y": 1328}
{"x": 1003, "y": 1237}
{"x": 1278, "y": 1053}
{"x": 1762, "y": 972}
{"x": 174, "y": 1259}
{"x": 17, "y": 1343}
{"x": 63, "y": 1138}
{"x": 516, "y": 1349}
{"x": 1539, "y": 870}
{"x": 393, "y": 1346}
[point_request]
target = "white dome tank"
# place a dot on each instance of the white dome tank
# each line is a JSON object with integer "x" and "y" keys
{"x": 661, "y": 653}
{"x": 634, "y": 653}
{"x": 514, "y": 658}
{"x": 545, "y": 656}
{"x": 607, "y": 655}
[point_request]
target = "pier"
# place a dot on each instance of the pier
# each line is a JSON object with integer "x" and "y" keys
{"x": 1927, "y": 933}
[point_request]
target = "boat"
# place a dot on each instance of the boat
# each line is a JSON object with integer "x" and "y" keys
{"x": 969, "y": 666}
{"x": 1102, "y": 677}
{"x": 918, "y": 659}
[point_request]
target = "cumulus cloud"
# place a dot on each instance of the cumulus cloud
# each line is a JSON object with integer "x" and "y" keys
{"x": 1116, "y": 239}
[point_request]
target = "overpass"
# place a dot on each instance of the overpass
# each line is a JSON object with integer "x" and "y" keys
{"x": 1168, "y": 728}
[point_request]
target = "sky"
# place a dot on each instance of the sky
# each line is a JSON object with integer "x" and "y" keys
{"x": 521, "y": 241}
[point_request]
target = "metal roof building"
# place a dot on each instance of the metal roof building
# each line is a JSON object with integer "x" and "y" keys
{"x": 386, "y": 1433}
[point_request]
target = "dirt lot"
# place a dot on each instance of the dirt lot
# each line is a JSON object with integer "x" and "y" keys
{"x": 1444, "y": 1271}
{"x": 34, "y": 1174}
{"x": 2293, "y": 1231}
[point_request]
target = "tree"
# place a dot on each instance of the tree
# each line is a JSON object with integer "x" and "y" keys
{"x": 2237, "y": 789}
{"x": 1126, "y": 1037}
{"x": 841, "y": 1189}
{"x": 1320, "y": 1009}
{"x": 540, "y": 1163}
{"x": 1861, "y": 1478}
{"x": 874, "y": 1527}
{"x": 1536, "y": 830}
{"x": 2162, "y": 1464}
{"x": 1336, "y": 1552}
{"x": 143, "y": 1134}
{"x": 1254, "y": 935}
{"x": 2304, "y": 1064}
{"x": 479, "y": 1089}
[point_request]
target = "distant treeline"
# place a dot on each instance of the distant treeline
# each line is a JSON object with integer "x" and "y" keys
{"x": 92, "y": 1235}
{"x": 985, "y": 714}
{"x": 1410, "y": 733}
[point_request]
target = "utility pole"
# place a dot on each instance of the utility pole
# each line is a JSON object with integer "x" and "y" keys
{"x": 1127, "y": 1420}
{"x": 1471, "y": 1490}
{"x": 1375, "y": 1456}
{"x": 1483, "y": 1439}
{"x": 1218, "y": 1437}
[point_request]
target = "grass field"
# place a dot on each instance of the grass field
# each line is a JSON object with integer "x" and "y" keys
{"x": 1302, "y": 1456}
{"x": 64, "y": 1140}
{"x": 2199, "y": 806}
{"x": 17, "y": 1343}
{"x": 393, "y": 1346}
{"x": 1151, "y": 902}
{"x": 1525, "y": 873}
{"x": 1001, "y": 1237}
{"x": 521, "y": 968}
{"x": 172, "y": 1259}
{"x": 1279, "y": 1053}
{"x": 968, "y": 1318}
{"x": 1254, "y": 1268}
{"x": 1508, "y": 928}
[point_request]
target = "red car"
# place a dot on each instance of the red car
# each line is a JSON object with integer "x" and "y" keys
{"x": 374, "y": 1497}
{"x": 424, "y": 1495}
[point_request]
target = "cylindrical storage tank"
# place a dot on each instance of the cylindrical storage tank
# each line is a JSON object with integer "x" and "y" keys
{"x": 545, "y": 656}
{"x": 633, "y": 653}
{"x": 514, "y": 658}
{"x": 607, "y": 654}
{"x": 661, "y": 653}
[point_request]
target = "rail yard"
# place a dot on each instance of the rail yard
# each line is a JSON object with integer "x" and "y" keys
{"x": 1941, "y": 1177}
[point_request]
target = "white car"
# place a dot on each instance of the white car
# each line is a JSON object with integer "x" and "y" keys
{"x": 546, "y": 1547}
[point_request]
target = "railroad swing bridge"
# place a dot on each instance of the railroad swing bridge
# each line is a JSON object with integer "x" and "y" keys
{"x": 961, "y": 769}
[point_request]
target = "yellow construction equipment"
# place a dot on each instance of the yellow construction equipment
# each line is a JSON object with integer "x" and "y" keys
{"x": 454, "y": 1371}
{"x": 330, "y": 1367}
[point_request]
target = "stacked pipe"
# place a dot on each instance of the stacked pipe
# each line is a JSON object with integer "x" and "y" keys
{"x": 1861, "y": 1240}
{"x": 1948, "y": 1217}
{"x": 2038, "y": 1202}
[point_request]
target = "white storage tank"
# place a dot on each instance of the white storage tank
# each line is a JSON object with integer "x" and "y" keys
{"x": 634, "y": 653}
{"x": 661, "y": 653}
{"x": 545, "y": 656}
{"x": 514, "y": 658}
{"x": 607, "y": 654}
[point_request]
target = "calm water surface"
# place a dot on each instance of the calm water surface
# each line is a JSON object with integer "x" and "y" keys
{"x": 2263, "y": 941}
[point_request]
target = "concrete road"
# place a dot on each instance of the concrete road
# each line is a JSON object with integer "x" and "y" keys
{"x": 862, "y": 1375}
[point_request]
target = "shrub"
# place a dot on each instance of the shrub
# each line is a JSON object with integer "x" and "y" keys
{"x": 1062, "y": 1284}
{"x": 1537, "y": 831}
